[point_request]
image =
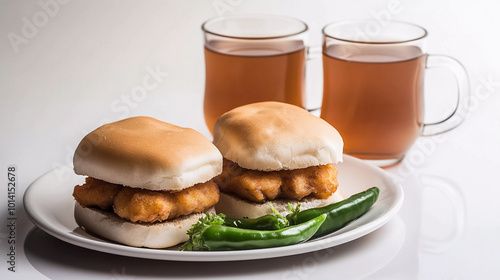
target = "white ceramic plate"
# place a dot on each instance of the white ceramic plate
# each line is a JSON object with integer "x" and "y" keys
{"x": 49, "y": 204}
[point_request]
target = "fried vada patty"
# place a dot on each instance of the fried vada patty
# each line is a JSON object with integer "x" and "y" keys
{"x": 140, "y": 205}
{"x": 260, "y": 186}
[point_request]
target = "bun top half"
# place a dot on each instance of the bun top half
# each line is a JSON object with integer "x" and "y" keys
{"x": 143, "y": 152}
{"x": 271, "y": 136}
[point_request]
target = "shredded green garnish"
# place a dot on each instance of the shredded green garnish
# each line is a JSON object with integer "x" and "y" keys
{"x": 292, "y": 217}
{"x": 282, "y": 220}
{"x": 196, "y": 241}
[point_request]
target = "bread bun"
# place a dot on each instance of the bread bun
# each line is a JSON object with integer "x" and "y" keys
{"x": 143, "y": 152}
{"x": 234, "y": 207}
{"x": 158, "y": 235}
{"x": 271, "y": 136}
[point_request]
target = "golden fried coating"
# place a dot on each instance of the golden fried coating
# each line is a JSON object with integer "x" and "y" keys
{"x": 143, "y": 205}
{"x": 320, "y": 181}
{"x": 96, "y": 193}
{"x": 196, "y": 199}
{"x": 256, "y": 185}
{"x": 259, "y": 186}
{"x": 139, "y": 205}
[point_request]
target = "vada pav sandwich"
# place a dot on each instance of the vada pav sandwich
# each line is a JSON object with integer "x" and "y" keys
{"x": 148, "y": 181}
{"x": 279, "y": 153}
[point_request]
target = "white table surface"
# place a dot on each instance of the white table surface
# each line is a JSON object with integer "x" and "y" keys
{"x": 76, "y": 67}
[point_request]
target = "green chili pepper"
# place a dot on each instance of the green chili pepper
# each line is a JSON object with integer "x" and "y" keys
{"x": 267, "y": 222}
{"x": 210, "y": 234}
{"x": 338, "y": 214}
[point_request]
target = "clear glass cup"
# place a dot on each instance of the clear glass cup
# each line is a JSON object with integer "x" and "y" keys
{"x": 252, "y": 58}
{"x": 373, "y": 81}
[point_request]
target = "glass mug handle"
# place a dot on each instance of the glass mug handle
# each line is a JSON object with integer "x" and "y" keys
{"x": 463, "y": 95}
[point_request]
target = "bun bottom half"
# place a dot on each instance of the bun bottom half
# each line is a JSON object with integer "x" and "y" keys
{"x": 237, "y": 208}
{"x": 157, "y": 235}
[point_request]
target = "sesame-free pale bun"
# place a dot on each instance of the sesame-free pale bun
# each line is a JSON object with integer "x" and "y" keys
{"x": 158, "y": 235}
{"x": 270, "y": 136}
{"x": 143, "y": 152}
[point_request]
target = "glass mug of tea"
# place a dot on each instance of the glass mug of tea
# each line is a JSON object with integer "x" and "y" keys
{"x": 252, "y": 58}
{"x": 373, "y": 82}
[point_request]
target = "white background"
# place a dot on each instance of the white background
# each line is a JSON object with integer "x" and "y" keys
{"x": 67, "y": 68}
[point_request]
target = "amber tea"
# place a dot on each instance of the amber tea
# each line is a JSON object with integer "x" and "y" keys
{"x": 238, "y": 74}
{"x": 373, "y": 96}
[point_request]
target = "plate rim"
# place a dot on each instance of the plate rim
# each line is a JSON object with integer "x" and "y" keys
{"x": 211, "y": 256}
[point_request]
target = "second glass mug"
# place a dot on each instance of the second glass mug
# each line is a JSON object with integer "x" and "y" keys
{"x": 253, "y": 58}
{"x": 373, "y": 88}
